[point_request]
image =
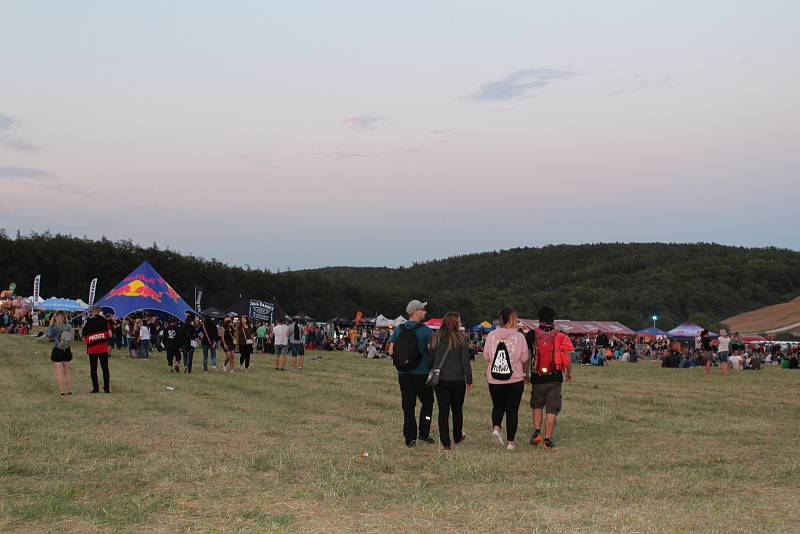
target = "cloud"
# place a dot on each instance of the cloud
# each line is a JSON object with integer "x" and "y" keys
{"x": 364, "y": 123}
{"x": 518, "y": 84}
{"x": 23, "y": 173}
{"x": 19, "y": 144}
{"x": 7, "y": 122}
{"x": 345, "y": 155}
{"x": 643, "y": 84}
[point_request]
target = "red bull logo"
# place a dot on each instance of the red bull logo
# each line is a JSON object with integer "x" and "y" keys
{"x": 171, "y": 293}
{"x": 136, "y": 288}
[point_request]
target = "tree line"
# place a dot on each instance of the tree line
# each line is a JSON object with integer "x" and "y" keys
{"x": 701, "y": 282}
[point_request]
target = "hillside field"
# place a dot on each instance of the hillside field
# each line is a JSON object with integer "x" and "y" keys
{"x": 640, "y": 449}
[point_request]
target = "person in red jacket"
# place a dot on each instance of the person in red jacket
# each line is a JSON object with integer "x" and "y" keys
{"x": 96, "y": 335}
{"x": 550, "y": 365}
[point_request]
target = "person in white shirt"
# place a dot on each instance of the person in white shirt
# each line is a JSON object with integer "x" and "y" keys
{"x": 735, "y": 361}
{"x": 723, "y": 348}
{"x": 281, "y": 333}
{"x": 144, "y": 341}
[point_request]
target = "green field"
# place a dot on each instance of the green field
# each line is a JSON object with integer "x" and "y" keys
{"x": 641, "y": 449}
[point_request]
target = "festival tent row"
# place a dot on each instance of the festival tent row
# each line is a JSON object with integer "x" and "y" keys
{"x": 586, "y": 327}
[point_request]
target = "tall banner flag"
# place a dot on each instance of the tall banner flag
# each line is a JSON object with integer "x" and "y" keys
{"x": 92, "y": 290}
{"x": 37, "y": 282}
{"x": 198, "y": 299}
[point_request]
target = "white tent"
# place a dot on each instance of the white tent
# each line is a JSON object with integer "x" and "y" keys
{"x": 381, "y": 321}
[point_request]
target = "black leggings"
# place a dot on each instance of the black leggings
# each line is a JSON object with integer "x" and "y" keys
{"x": 244, "y": 356}
{"x": 505, "y": 401}
{"x": 450, "y": 395}
{"x": 93, "y": 371}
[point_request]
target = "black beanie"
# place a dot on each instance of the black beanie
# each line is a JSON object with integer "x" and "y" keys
{"x": 547, "y": 315}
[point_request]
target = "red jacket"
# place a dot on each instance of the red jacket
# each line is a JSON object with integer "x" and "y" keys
{"x": 96, "y": 335}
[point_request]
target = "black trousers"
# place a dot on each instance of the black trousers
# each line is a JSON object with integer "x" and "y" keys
{"x": 244, "y": 355}
{"x": 173, "y": 355}
{"x": 450, "y": 396}
{"x": 505, "y": 401}
{"x": 188, "y": 354}
{"x": 93, "y": 371}
{"x": 411, "y": 388}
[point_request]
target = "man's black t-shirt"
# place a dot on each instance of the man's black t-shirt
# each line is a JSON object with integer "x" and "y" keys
{"x": 553, "y": 377}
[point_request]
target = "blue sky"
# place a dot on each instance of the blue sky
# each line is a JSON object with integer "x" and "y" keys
{"x": 305, "y": 134}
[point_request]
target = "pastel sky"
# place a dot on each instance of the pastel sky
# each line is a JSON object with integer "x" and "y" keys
{"x": 302, "y": 134}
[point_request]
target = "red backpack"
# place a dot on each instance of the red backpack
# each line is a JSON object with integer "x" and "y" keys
{"x": 545, "y": 355}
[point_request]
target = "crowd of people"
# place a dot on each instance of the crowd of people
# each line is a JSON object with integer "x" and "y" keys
{"x": 430, "y": 365}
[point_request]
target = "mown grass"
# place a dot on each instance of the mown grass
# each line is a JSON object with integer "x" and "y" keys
{"x": 641, "y": 449}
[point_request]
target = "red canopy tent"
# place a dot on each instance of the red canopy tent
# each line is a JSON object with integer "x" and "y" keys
{"x": 586, "y": 327}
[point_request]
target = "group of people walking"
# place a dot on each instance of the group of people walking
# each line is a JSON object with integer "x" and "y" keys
{"x": 438, "y": 364}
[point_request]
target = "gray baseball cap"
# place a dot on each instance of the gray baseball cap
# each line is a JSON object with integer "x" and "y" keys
{"x": 415, "y": 305}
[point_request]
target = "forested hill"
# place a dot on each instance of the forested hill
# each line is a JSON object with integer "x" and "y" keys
{"x": 624, "y": 282}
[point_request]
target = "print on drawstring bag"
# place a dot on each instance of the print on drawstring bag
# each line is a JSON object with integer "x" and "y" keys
{"x": 501, "y": 363}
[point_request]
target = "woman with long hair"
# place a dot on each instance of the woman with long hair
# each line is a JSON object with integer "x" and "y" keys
{"x": 506, "y": 352}
{"x": 61, "y": 333}
{"x": 245, "y": 336}
{"x": 450, "y": 357}
{"x": 227, "y": 344}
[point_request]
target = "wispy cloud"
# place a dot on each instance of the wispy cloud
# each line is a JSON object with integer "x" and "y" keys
{"x": 8, "y": 122}
{"x": 643, "y": 84}
{"x": 518, "y": 84}
{"x": 23, "y": 173}
{"x": 42, "y": 179}
{"x": 345, "y": 155}
{"x": 364, "y": 123}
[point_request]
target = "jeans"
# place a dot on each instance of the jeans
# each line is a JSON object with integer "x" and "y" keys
{"x": 505, "y": 401}
{"x": 450, "y": 395}
{"x": 188, "y": 354}
{"x": 93, "y": 371}
{"x": 411, "y": 387}
{"x": 206, "y": 349}
{"x": 144, "y": 348}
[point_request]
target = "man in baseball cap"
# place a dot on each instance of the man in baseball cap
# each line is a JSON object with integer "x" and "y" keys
{"x": 413, "y": 306}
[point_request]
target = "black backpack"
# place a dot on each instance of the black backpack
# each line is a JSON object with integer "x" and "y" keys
{"x": 501, "y": 363}
{"x": 405, "y": 353}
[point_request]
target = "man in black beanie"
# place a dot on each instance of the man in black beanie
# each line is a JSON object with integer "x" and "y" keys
{"x": 550, "y": 363}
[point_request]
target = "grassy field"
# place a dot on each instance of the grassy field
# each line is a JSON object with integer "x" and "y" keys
{"x": 641, "y": 449}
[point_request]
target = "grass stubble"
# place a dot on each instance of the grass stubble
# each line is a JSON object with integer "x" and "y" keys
{"x": 641, "y": 449}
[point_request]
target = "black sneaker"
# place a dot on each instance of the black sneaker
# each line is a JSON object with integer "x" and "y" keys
{"x": 411, "y": 444}
{"x": 427, "y": 439}
{"x": 95, "y": 391}
{"x": 461, "y": 439}
{"x": 548, "y": 444}
{"x": 536, "y": 438}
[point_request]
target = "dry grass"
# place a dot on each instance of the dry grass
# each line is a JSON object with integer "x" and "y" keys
{"x": 641, "y": 449}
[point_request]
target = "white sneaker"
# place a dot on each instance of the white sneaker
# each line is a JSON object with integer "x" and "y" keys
{"x": 214, "y": 367}
{"x": 498, "y": 437}
{"x": 510, "y": 446}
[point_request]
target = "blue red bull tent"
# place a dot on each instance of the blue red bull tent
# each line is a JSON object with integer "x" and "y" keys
{"x": 688, "y": 330}
{"x": 144, "y": 290}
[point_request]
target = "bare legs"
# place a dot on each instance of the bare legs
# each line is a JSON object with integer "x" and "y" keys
{"x": 63, "y": 377}
{"x": 549, "y": 423}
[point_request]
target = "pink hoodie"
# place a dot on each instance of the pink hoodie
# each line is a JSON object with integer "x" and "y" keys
{"x": 517, "y": 346}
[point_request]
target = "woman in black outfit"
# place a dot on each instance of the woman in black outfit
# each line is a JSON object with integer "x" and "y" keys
{"x": 455, "y": 376}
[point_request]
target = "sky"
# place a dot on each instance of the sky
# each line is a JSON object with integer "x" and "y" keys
{"x": 305, "y": 134}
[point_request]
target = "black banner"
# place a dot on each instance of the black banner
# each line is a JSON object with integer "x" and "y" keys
{"x": 261, "y": 311}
